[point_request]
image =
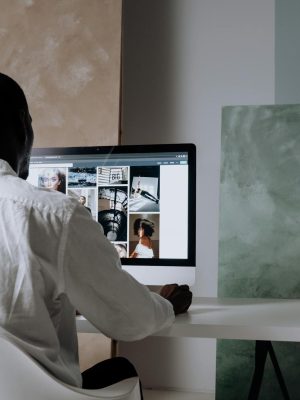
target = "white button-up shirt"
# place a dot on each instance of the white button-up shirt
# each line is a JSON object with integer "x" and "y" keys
{"x": 54, "y": 259}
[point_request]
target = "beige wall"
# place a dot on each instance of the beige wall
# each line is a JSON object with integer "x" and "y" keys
{"x": 66, "y": 56}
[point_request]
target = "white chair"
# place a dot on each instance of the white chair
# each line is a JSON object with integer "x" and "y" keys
{"x": 22, "y": 378}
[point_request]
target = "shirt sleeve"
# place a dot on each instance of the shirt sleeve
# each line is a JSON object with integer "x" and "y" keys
{"x": 110, "y": 298}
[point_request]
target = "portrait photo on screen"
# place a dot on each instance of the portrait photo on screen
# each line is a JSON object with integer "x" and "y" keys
{"x": 144, "y": 189}
{"x": 112, "y": 211}
{"x": 48, "y": 178}
{"x": 82, "y": 177}
{"x": 144, "y": 236}
{"x": 87, "y": 198}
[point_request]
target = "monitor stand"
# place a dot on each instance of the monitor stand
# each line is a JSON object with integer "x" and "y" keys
{"x": 162, "y": 275}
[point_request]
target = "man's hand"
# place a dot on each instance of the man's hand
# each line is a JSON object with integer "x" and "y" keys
{"x": 179, "y": 296}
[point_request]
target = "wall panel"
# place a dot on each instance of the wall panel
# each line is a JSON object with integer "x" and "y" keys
{"x": 66, "y": 56}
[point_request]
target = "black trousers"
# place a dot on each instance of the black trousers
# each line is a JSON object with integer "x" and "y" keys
{"x": 108, "y": 372}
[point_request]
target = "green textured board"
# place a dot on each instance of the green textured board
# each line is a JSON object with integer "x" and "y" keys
{"x": 259, "y": 242}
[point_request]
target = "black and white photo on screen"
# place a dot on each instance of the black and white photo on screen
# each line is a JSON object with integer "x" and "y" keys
{"x": 112, "y": 211}
{"x": 144, "y": 189}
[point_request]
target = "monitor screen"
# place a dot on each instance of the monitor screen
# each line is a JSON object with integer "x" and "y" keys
{"x": 142, "y": 195}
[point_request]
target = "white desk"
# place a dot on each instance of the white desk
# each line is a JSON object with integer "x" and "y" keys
{"x": 262, "y": 320}
{"x": 249, "y": 319}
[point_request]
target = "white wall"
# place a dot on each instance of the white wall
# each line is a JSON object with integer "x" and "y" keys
{"x": 287, "y": 51}
{"x": 183, "y": 61}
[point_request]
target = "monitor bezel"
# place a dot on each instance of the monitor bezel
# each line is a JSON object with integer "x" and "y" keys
{"x": 148, "y": 148}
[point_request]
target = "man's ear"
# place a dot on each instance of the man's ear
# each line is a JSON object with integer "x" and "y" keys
{"x": 22, "y": 128}
{"x": 25, "y": 132}
{"x": 24, "y": 137}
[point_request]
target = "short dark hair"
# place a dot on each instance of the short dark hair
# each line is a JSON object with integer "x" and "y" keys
{"x": 147, "y": 225}
{"x": 12, "y": 99}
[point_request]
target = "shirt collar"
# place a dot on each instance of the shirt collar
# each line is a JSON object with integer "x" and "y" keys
{"x": 6, "y": 169}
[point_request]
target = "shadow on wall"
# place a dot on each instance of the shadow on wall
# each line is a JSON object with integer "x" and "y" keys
{"x": 153, "y": 106}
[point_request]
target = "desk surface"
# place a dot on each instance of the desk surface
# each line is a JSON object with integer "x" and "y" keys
{"x": 249, "y": 319}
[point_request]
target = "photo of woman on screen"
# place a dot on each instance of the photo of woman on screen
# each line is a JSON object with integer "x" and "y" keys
{"x": 144, "y": 229}
{"x": 52, "y": 178}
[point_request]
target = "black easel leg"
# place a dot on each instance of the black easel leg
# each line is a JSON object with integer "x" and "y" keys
{"x": 261, "y": 351}
{"x": 262, "y": 348}
{"x": 278, "y": 372}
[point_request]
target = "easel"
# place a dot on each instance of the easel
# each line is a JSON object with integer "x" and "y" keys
{"x": 262, "y": 349}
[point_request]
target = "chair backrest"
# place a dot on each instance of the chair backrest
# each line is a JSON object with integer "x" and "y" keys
{"x": 22, "y": 378}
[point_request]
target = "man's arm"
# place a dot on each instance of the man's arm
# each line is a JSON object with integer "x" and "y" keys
{"x": 99, "y": 289}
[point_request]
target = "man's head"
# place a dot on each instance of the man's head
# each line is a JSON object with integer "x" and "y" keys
{"x": 82, "y": 200}
{"x": 16, "y": 134}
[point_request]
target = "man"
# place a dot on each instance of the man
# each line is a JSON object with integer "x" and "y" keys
{"x": 82, "y": 201}
{"x": 54, "y": 259}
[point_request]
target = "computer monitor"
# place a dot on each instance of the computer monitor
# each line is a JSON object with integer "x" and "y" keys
{"x": 144, "y": 196}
